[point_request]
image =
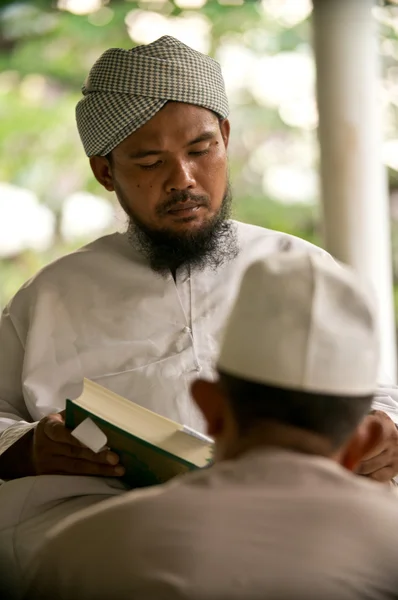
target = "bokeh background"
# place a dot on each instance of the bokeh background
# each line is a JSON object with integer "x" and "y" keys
{"x": 50, "y": 203}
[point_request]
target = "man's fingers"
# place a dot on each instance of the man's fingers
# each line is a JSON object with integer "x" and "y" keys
{"x": 59, "y": 417}
{"x": 374, "y": 464}
{"x": 106, "y": 457}
{"x": 70, "y": 466}
{"x": 383, "y": 475}
{"x": 54, "y": 428}
{"x": 55, "y": 450}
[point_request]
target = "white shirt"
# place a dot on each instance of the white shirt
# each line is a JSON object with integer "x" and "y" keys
{"x": 273, "y": 524}
{"x": 103, "y": 314}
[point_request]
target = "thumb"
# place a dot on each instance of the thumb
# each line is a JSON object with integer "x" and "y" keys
{"x": 57, "y": 417}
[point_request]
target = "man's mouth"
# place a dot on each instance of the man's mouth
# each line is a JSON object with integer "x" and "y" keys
{"x": 185, "y": 208}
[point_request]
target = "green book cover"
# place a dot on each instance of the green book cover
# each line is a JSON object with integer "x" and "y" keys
{"x": 146, "y": 463}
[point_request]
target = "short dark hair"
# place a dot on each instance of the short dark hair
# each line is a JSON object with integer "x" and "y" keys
{"x": 334, "y": 417}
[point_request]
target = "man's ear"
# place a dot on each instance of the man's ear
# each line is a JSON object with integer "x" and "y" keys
{"x": 364, "y": 440}
{"x": 211, "y": 401}
{"x": 101, "y": 168}
{"x": 225, "y": 128}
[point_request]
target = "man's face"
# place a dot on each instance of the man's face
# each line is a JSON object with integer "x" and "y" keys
{"x": 171, "y": 174}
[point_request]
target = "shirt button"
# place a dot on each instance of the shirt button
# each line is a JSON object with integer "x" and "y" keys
{"x": 187, "y": 330}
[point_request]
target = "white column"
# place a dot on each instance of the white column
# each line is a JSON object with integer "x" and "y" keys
{"x": 353, "y": 178}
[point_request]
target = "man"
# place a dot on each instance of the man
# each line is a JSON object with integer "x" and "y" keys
{"x": 279, "y": 515}
{"x": 140, "y": 312}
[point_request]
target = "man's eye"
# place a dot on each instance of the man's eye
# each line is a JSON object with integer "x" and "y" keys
{"x": 201, "y": 152}
{"x": 151, "y": 166}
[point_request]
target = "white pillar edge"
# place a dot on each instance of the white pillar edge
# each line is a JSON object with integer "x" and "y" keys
{"x": 354, "y": 186}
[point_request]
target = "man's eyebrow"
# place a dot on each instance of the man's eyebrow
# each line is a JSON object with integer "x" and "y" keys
{"x": 203, "y": 137}
{"x": 144, "y": 153}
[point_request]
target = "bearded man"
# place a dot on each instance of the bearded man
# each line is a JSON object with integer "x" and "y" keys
{"x": 140, "y": 312}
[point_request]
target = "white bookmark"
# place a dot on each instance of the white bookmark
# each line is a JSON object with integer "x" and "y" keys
{"x": 90, "y": 435}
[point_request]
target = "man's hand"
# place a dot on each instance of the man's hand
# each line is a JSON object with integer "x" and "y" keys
{"x": 381, "y": 463}
{"x": 56, "y": 451}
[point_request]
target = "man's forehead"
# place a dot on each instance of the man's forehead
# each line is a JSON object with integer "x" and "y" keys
{"x": 179, "y": 125}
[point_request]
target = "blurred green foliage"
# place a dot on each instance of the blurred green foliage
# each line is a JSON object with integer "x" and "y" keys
{"x": 45, "y": 55}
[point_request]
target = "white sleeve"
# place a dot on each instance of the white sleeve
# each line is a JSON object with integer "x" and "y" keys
{"x": 386, "y": 399}
{"x": 15, "y": 420}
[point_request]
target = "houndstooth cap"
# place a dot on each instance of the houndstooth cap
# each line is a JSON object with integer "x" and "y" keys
{"x": 126, "y": 88}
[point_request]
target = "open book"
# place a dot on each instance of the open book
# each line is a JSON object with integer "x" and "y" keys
{"x": 152, "y": 449}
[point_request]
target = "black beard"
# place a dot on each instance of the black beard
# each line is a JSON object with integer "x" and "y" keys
{"x": 213, "y": 245}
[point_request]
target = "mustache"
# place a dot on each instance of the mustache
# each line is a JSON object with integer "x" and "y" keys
{"x": 178, "y": 198}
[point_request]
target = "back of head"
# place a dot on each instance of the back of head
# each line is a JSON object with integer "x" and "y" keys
{"x": 301, "y": 346}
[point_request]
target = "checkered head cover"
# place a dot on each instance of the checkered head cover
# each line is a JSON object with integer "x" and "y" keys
{"x": 126, "y": 88}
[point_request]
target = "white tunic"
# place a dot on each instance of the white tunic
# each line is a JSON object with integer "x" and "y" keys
{"x": 103, "y": 314}
{"x": 272, "y": 524}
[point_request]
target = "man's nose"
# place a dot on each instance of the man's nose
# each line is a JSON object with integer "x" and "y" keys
{"x": 180, "y": 177}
